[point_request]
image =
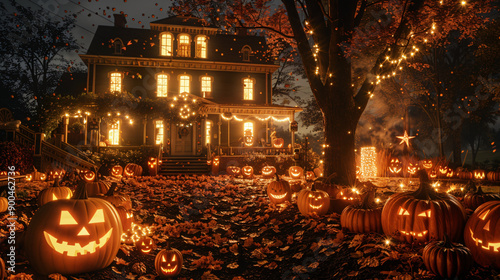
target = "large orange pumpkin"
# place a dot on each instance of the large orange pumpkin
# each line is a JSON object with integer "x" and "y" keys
{"x": 72, "y": 236}
{"x": 312, "y": 201}
{"x": 423, "y": 215}
{"x": 132, "y": 170}
{"x": 279, "y": 191}
{"x": 446, "y": 259}
{"x": 118, "y": 199}
{"x": 4, "y": 204}
{"x": 364, "y": 217}
{"x": 482, "y": 234}
{"x": 54, "y": 193}
{"x": 97, "y": 187}
{"x": 473, "y": 199}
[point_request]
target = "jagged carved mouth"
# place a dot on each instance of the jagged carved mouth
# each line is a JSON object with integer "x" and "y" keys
{"x": 76, "y": 249}
{"x": 315, "y": 207}
{"x": 168, "y": 270}
{"x": 278, "y": 196}
{"x": 416, "y": 234}
{"x": 493, "y": 246}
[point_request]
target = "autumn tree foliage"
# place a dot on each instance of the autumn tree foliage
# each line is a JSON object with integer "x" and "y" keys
{"x": 347, "y": 49}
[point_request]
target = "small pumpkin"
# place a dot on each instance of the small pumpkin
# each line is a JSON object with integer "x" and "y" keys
{"x": 54, "y": 193}
{"x": 362, "y": 218}
{"x": 412, "y": 168}
{"x": 97, "y": 187}
{"x": 482, "y": 234}
{"x": 88, "y": 175}
{"x": 493, "y": 175}
{"x": 36, "y": 176}
{"x": 132, "y": 170}
{"x": 326, "y": 184}
{"x": 310, "y": 175}
{"x": 312, "y": 201}
{"x": 71, "y": 236}
{"x": 473, "y": 199}
{"x": 118, "y": 199}
{"x": 395, "y": 166}
{"x": 126, "y": 217}
{"x": 145, "y": 245}
{"x": 479, "y": 174}
{"x": 278, "y": 142}
{"x": 4, "y": 204}
{"x": 427, "y": 163}
{"x": 215, "y": 165}
{"x": 295, "y": 172}
{"x": 233, "y": 170}
{"x": 268, "y": 171}
{"x": 116, "y": 171}
{"x": 153, "y": 166}
{"x": 446, "y": 259}
{"x": 247, "y": 172}
{"x": 279, "y": 191}
{"x": 56, "y": 173}
{"x": 168, "y": 262}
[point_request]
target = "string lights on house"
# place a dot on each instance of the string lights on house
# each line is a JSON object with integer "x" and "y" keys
{"x": 240, "y": 119}
{"x": 368, "y": 162}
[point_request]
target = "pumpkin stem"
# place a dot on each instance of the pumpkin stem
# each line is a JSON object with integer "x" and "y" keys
{"x": 368, "y": 199}
{"x": 112, "y": 190}
{"x": 56, "y": 183}
{"x": 81, "y": 191}
{"x": 277, "y": 177}
{"x": 425, "y": 191}
{"x": 447, "y": 242}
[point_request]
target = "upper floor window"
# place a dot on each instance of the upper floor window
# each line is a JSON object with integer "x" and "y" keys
{"x": 184, "y": 82}
{"x": 115, "y": 82}
{"x": 166, "y": 44}
{"x": 208, "y": 131}
{"x": 245, "y": 51}
{"x": 183, "y": 48}
{"x": 248, "y": 129}
{"x": 162, "y": 85}
{"x": 114, "y": 132}
{"x": 118, "y": 45}
{"x": 201, "y": 46}
{"x": 206, "y": 86}
{"x": 159, "y": 132}
{"x": 248, "y": 88}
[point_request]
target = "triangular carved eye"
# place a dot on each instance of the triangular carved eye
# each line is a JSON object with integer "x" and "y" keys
{"x": 54, "y": 197}
{"x": 98, "y": 217}
{"x": 163, "y": 259}
{"x": 425, "y": 214}
{"x": 487, "y": 226}
{"x": 173, "y": 258}
{"x": 403, "y": 212}
{"x": 483, "y": 216}
{"x": 67, "y": 218}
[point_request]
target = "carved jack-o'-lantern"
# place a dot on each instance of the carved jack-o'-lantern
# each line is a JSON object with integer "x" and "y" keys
{"x": 74, "y": 235}
{"x": 479, "y": 174}
{"x": 433, "y": 174}
{"x": 116, "y": 171}
{"x": 168, "y": 262}
{"x": 132, "y": 169}
{"x": 126, "y": 217}
{"x": 153, "y": 166}
{"x": 55, "y": 174}
{"x": 395, "y": 166}
{"x": 427, "y": 163}
{"x": 450, "y": 173}
{"x": 278, "y": 142}
{"x": 310, "y": 175}
{"x": 295, "y": 172}
{"x": 268, "y": 171}
{"x": 412, "y": 168}
{"x": 36, "y": 176}
{"x": 145, "y": 245}
{"x": 247, "y": 171}
{"x": 418, "y": 216}
{"x": 313, "y": 201}
{"x": 87, "y": 175}
{"x": 443, "y": 170}
{"x": 215, "y": 165}
{"x": 233, "y": 170}
{"x": 55, "y": 192}
{"x": 279, "y": 191}
{"x": 482, "y": 234}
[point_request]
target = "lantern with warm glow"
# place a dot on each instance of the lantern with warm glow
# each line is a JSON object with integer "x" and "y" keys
{"x": 279, "y": 191}
{"x": 116, "y": 171}
{"x": 295, "y": 172}
{"x": 278, "y": 142}
{"x": 132, "y": 170}
{"x": 247, "y": 172}
{"x": 153, "y": 166}
{"x": 427, "y": 163}
{"x": 268, "y": 171}
{"x": 233, "y": 170}
{"x": 87, "y": 175}
{"x": 168, "y": 262}
{"x": 215, "y": 165}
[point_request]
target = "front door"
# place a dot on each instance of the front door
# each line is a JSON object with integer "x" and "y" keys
{"x": 182, "y": 140}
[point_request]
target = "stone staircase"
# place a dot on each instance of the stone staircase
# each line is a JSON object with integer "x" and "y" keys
{"x": 174, "y": 165}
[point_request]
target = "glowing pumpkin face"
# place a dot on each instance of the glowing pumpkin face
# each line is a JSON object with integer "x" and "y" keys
{"x": 278, "y": 142}
{"x": 132, "y": 169}
{"x": 432, "y": 174}
{"x": 268, "y": 171}
{"x": 443, "y": 170}
{"x": 310, "y": 175}
{"x": 412, "y": 169}
{"x": 427, "y": 163}
{"x": 479, "y": 174}
{"x": 116, "y": 171}
{"x": 145, "y": 245}
{"x": 233, "y": 170}
{"x": 313, "y": 201}
{"x": 73, "y": 236}
{"x": 3, "y": 173}
{"x": 215, "y": 162}
{"x": 279, "y": 191}
{"x": 482, "y": 236}
{"x": 153, "y": 166}
{"x": 55, "y": 192}
{"x": 55, "y": 174}
{"x": 87, "y": 175}
{"x": 295, "y": 172}
{"x": 450, "y": 173}
{"x": 248, "y": 141}
{"x": 28, "y": 178}
{"x": 168, "y": 262}
{"x": 247, "y": 171}
{"x": 395, "y": 166}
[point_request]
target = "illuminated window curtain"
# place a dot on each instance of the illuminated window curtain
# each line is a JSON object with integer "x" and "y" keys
{"x": 184, "y": 49}
{"x": 201, "y": 46}
{"x": 246, "y": 53}
{"x": 248, "y": 126}
{"x": 159, "y": 132}
{"x": 206, "y": 86}
{"x": 166, "y": 44}
{"x": 114, "y": 133}
{"x": 184, "y": 84}
{"x": 208, "y": 131}
{"x": 115, "y": 82}
{"x": 248, "y": 89}
{"x": 161, "y": 85}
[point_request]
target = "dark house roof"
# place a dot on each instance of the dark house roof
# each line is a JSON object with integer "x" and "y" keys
{"x": 184, "y": 21}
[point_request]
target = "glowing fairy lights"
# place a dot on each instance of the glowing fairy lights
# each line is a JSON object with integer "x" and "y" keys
{"x": 368, "y": 162}
{"x": 240, "y": 119}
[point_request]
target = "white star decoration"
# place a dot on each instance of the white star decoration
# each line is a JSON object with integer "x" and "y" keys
{"x": 405, "y": 139}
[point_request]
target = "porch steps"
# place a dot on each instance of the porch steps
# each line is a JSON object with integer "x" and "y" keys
{"x": 173, "y": 165}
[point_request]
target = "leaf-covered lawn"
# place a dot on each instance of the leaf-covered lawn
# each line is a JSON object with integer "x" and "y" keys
{"x": 227, "y": 229}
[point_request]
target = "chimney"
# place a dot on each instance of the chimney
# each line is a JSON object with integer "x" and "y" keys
{"x": 120, "y": 20}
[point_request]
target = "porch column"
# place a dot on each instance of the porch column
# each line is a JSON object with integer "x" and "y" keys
{"x": 292, "y": 119}
{"x": 229, "y": 135}
{"x": 219, "y": 133}
{"x": 144, "y": 129}
{"x": 85, "y": 120}
{"x": 66, "y": 123}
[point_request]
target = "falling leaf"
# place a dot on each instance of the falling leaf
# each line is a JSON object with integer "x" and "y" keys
{"x": 298, "y": 256}
{"x": 232, "y": 265}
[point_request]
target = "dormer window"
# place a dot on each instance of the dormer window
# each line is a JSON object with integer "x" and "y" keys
{"x": 201, "y": 46}
{"x": 118, "y": 46}
{"x": 245, "y": 51}
{"x": 115, "y": 82}
{"x": 166, "y": 44}
{"x": 184, "y": 46}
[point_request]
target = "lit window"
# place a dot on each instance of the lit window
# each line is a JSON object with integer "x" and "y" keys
{"x": 248, "y": 129}
{"x": 118, "y": 46}
{"x": 114, "y": 133}
{"x": 246, "y": 53}
{"x": 248, "y": 89}
{"x": 208, "y": 131}
{"x": 184, "y": 84}
{"x": 184, "y": 49}
{"x": 116, "y": 82}
{"x": 166, "y": 44}
{"x": 159, "y": 132}
{"x": 201, "y": 46}
{"x": 206, "y": 86}
{"x": 161, "y": 85}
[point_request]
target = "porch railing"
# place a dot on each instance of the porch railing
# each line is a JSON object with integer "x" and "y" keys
{"x": 234, "y": 151}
